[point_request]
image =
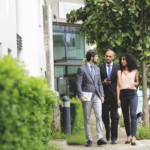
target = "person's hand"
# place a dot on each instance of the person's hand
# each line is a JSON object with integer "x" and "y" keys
{"x": 102, "y": 99}
{"x": 133, "y": 84}
{"x": 119, "y": 103}
{"x": 83, "y": 99}
{"x": 106, "y": 82}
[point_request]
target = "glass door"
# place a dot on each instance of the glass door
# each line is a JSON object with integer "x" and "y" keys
{"x": 66, "y": 86}
{"x": 72, "y": 87}
{"x": 63, "y": 87}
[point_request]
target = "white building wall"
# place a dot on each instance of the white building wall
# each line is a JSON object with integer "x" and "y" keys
{"x": 30, "y": 28}
{"x": 8, "y": 27}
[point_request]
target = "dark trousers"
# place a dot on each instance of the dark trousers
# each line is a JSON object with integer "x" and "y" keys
{"x": 110, "y": 105}
{"x": 129, "y": 99}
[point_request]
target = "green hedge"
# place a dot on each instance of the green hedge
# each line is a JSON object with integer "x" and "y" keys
{"x": 76, "y": 114}
{"x": 25, "y": 108}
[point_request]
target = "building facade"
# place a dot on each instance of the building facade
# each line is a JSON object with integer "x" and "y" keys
{"x": 36, "y": 32}
{"x": 68, "y": 45}
{"x": 26, "y": 34}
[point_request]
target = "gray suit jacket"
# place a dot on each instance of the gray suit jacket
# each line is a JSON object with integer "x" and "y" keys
{"x": 84, "y": 81}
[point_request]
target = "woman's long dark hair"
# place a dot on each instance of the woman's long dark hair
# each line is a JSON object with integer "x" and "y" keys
{"x": 131, "y": 62}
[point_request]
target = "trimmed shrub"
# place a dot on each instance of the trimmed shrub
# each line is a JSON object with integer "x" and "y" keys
{"x": 76, "y": 114}
{"x": 25, "y": 108}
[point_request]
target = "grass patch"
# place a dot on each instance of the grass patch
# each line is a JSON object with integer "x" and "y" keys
{"x": 58, "y": 134}
{"x": 78, "y": 137}
{"x": 121, "y": 123}
{"x": 143, "y": 133}
{"x": 54, "y": 147}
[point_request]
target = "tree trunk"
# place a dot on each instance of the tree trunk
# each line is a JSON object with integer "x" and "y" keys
{"x": 144, "y": 78}
{"x": 145, "y": 100}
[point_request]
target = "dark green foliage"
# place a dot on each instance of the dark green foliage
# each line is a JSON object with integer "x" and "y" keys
{"x": 76, "y": 113}
{"x": 25, "y": 108}
{"x": 120, "y": 25}
{"x": 58, "y": 134}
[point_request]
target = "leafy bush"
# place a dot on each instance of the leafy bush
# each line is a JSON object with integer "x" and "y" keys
{"x": 76, "y": 113}
{"x": 58, "y": 134}
{"x": 143, "y": 133}
{"x": 25, "y": 108}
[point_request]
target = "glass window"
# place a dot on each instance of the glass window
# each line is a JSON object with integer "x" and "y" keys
{"x": 60, "y": 71}
{"x": 72, "y": 71}
{"x": 62, "y": 87}
{"x": 72, "y": 88}
{"x": 59, "y": 46}
{"x": 75, "y": 46}
{"x": 68, "y": 43}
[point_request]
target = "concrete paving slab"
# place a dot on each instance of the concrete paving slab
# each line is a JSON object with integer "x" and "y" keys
{"x": 141, "y": 145}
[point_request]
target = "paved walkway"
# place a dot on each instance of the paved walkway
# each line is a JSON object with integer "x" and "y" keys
{"x": 141, "y": 145}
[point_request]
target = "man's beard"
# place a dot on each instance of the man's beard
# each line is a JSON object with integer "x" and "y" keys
{"x": 94, "y": 62}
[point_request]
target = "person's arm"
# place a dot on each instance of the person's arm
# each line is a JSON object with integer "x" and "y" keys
{"x": 101, "y": 87}
{"x": 105, "y": 82}
{"x": 136, "y": 83}
{"x": 79, "y": 79}
{"x": 118, "y": 92}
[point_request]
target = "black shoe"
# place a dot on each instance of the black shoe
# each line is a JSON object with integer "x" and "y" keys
{"x": 88, "y": 143}
{"x": 127, "y": 142}
{"x": 133, "y": 143}
{"x": 108, "y": 134}
{"x": 113, "y": 142}
{"x": 101, "y": 141}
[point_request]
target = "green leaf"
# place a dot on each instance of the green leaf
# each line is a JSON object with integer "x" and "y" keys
{"x": 105, "y": 35}
{"x": 120, "y": 12}
{"x": 116, "y": 35}
{"x": 118, "y": 42}
{"x": 111, "y": 24}
{"x": 147, "y": 45}
{"x": 148, "y": 2}
{"x": 137, "y": 32}
{"x": 140, "y": 48}
{"x": 111, "y": 1}
{"x": 103, "y": 29}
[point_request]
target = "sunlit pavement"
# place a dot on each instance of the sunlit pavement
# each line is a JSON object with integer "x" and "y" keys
{"x": 140, "y": 145}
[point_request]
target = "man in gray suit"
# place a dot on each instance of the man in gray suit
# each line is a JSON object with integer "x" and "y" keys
{"x": 88, "y": 79}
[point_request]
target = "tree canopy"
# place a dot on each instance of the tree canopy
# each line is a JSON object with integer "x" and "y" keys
{"x": 120, "y": 25}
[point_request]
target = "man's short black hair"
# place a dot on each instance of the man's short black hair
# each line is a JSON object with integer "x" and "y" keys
{"x": 90, "y": 53}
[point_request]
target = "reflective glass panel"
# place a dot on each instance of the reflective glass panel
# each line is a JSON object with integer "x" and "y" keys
{"x": 59, "y": 45}
{"x": 63, "y": 87}
{"x": 72, "y": 71}
{"x": 60, "y": 71}
{"x": 75, "y": 46}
